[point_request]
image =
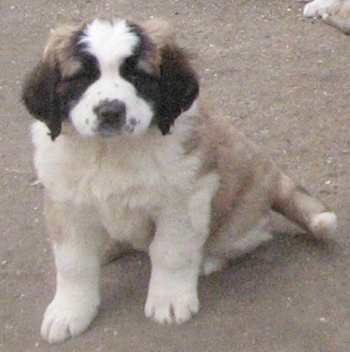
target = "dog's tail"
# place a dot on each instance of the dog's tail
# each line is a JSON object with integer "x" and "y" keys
{"x": 297, "y": 205}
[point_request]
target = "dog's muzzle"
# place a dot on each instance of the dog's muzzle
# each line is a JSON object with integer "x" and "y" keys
{"x": 111, "y": 116}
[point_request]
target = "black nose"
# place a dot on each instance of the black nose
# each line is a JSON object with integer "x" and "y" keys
{"x": 111, "y": 114}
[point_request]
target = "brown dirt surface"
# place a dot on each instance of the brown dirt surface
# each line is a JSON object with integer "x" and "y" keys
{"x": 285, "y": 81}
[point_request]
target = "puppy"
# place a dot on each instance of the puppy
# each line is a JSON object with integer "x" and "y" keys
{"x": 124, "y": 151}
{"x": 334, "y": 12}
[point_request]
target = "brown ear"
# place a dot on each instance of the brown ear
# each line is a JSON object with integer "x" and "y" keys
{"x": 179, "y": 86}
{"x": 178, "y": 81}
{"x": 40, "y": 99}
{"x": 39, "y": 90}
{"x": 160, "y": 31}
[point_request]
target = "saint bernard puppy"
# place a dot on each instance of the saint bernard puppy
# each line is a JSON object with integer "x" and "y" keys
{"x": 125, "y": 153}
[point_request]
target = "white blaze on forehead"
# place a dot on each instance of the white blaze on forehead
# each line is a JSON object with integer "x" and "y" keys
{"x": 110, "y": 42}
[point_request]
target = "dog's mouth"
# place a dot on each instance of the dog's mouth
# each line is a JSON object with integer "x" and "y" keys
{"x": 110, "y": 128}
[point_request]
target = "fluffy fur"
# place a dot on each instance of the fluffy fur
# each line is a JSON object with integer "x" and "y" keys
{"x": 333, "y": 12}
{"x": 125, "y": 152}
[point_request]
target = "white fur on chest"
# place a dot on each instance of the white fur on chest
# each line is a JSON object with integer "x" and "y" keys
{"x": 126, "y": 181}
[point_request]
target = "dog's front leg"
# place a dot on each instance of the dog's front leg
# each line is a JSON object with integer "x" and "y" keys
{"x": 76, "y": 247}
{"x": 176, "y": 257}
{"x": 176, "y": 254}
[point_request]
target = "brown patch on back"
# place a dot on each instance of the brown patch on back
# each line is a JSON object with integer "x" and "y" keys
{"x": 245, "y": 174}
{"x": 250, "y": 183}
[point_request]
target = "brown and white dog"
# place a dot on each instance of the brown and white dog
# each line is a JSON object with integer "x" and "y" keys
{"x": 334, "y": 12}
{"x": 124, "y": 152}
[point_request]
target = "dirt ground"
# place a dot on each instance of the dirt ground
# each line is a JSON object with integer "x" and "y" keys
{"x": 282, "y": 79}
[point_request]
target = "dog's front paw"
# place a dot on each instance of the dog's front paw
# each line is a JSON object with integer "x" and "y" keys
{"x": 171, "y": 307}
{"x": 63, "y": 319}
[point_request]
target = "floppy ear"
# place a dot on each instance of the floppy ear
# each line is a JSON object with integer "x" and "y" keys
{"x": 39, "y": 93}
{"x": 178, "y": 82}
{"x": 40, "y": 99}
{"x": 178, "y": 85}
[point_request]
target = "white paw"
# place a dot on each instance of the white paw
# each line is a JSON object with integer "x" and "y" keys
{"x": 319, "y": 8}
{"x": 63, "y": 320}
{"x": 324, "y": 224}
{"x": 171, "y": 307}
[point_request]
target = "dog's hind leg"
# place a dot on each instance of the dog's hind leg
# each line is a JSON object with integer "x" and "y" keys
{"x": 255, "y": 238}
{"x": 297, "y": 205}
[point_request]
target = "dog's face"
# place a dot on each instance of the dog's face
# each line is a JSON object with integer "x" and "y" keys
{"x": 110, "y": 78}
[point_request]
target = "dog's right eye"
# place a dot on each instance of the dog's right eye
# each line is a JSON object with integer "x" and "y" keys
{"x": 88, "y": 71}
{"x": 87, "y": 74}
{"x": 69, "y": 81}
{"x": 72, "y": 78}
{"x": 129, "y": 68}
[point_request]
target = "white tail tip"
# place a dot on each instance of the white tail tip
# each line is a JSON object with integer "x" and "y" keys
{"x": 324, "y": 223}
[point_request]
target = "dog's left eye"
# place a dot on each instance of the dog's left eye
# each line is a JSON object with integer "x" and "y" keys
{"x": 129, "y": 68}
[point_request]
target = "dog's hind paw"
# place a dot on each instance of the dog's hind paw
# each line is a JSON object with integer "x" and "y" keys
{"x": 324, "y": 224}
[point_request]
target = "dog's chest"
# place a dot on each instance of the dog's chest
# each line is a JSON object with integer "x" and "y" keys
{"x": 126, "y": 184}
{"x": 142, "y": 174}
{"x": 131, "y": 190}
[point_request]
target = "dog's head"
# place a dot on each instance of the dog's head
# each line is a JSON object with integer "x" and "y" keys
{"x": 110, "y": 78}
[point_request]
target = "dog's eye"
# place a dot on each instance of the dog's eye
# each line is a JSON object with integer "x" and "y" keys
{"x": 129, "y": 68}
{"x": 69, "y": 81}
{"x": 73, "y": 78}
